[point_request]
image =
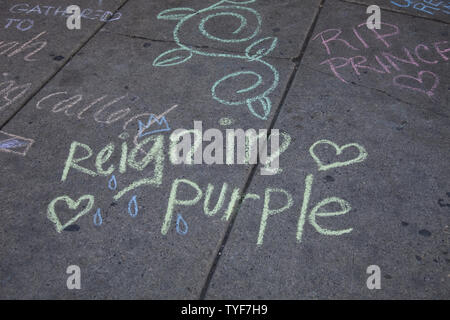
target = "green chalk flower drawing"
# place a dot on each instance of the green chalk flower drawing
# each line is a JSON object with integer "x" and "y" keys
{"x": 255, "y": 96}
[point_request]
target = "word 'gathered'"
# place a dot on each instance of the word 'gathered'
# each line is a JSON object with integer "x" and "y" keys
{"x": 87, "y": 13}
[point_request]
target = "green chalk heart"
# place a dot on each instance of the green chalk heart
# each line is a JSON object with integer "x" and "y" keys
{"x": 51, "y": 214}
{"x": 360, "y": 158}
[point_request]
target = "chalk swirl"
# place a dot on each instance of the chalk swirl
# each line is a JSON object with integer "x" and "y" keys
{"x": 246, "y": 25}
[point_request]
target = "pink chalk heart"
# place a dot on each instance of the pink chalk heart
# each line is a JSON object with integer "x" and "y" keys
{"x": 409, "y": 82}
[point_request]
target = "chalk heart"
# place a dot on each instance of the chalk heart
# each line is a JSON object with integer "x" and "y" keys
{"x": 52, "y": 216}
{"x": 409, "y": 82}
{"x": 322, "y": 167}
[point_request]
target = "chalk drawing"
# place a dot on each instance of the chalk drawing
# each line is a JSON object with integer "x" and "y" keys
{"x": 98, "y": 218}
{"x": 173, "y": 201}
{"x": 255, "y": 96}
{"x": 133, "y": 207}
{"x": 181, "y": 226}
{"x": 385, "y": 62}
{"x": 429, "y": 8}
{"x": 52, "y": 216}
{"x": 162, "y": 122}
{"x": 68, "y": 103}
{"x": 112, "y": 183}
{"x": 226, "y": 121}
{"x": 419, "y": 79}
{"x": 153, "y": 119}
{"x": 14, "y": 144}
{"x": 312, "y": 216}
{"x": 322, "y": 167}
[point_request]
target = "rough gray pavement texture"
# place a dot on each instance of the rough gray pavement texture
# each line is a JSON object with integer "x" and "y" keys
{"x": 364, "y": 124}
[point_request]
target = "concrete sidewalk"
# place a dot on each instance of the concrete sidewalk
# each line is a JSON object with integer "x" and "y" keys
{"x": 364, "y": 125}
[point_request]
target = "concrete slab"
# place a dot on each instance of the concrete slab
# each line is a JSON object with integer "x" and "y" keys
{"x": 127, "y": 256}
{"x": 391, "y": 216}
{"x": 217, "y": 24}
{"x": 35, "y": 42}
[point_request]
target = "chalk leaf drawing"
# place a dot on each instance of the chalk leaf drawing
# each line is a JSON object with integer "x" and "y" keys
{"x": 175, "y": 13}
{"x": 261, "y": 48}
{"x": 255, "y": 96}
{"x": 322, "y": 167}
{"x": 410, "y": 84}
{"x": 172, "y": 57}
{"x": 52, "y": 216}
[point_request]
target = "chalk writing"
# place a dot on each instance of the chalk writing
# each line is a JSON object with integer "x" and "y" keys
{"x": 14, "y": 144}
{"x": 10, "y": 92}
{"x": 25, "y": 47}
{"x": 20, "y": 24}
{"x": 101, "y": 115}
{"x": 191, "y": 198}
{"x": 255, "y": 96}
{"x": 420, "y": 57}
